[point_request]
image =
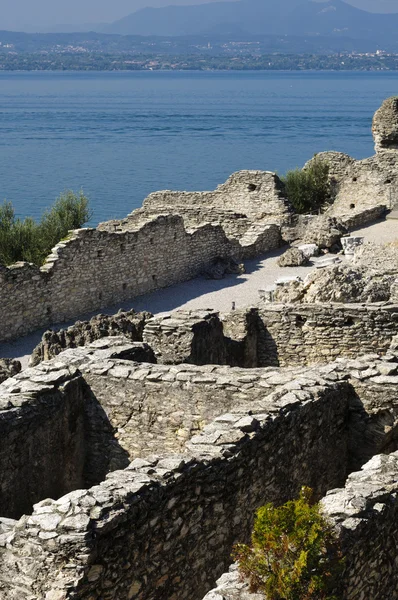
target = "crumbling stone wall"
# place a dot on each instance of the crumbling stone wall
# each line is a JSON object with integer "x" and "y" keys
{"x": 364, "y": 513}
{"x": 307, "y": 334}
{"x": 246, "y": 197}
{"x": 42, "y": 440}
{"x": 197, "y": 505}
{"x": 127, "y": 323}
{"x": 153, "y": 530}
{"x": 273, "y": 334}
{"x": 363, "y": 189}
{"x": 96, "y": 268}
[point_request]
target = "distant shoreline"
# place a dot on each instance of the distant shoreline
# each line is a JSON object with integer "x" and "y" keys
{"x": 131, "y": 71}
{"x": 137, "y": 62}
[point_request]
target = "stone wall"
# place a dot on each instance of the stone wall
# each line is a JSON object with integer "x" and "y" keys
{"x": 246, "y": 197}
{"x": 273, "y": 334}
{"x": 291, "y": 334}
{"x": 362, "y": 189}
{"x": 164, "y": 527}
{"x": 42, "y": 441}
{"x": 127, "y": 323}
{"x": 365, "y": 514}
{"x": 96, "y": 268}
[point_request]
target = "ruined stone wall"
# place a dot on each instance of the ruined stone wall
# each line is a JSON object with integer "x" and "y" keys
{"x": 365, "y": 515}
{"x": 157, "y": 408}
{"x": 126, "y": 323}
{"x": 163, "y": 528}
{"x": 97, "y": 268}
{"x": 42, "y": 440}
{"x": 361, "y": 188}
{"x": 365, "y": 512}
{"x": 255, "y": 194}
{"x": 292, "y": 334}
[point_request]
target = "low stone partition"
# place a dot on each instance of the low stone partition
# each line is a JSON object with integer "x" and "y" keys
{"x": 291, "y": 334}
{"x": 365, "y": 514}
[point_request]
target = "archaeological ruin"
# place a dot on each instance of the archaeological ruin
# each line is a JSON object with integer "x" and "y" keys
{"x": 135, "y": 449}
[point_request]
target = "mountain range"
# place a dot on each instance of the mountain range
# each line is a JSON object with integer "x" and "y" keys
{"x": 256, "y": 17}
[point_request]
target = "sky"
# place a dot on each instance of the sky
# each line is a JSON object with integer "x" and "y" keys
{"x": 23, "y": 14}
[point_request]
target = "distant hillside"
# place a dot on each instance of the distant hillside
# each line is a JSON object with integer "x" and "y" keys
{"x": 295, "y": 17}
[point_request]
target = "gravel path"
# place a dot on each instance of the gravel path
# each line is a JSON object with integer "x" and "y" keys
{"x": 202, "y": 293}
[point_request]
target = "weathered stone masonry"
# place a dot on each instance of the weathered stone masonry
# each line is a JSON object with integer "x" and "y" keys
{"x": 364, "y": 513}
{"x": 153, "y": 530}
{"x": 98, "y": 268}
{"x": 273, "y": 334}
{"x": 95, "y": 269}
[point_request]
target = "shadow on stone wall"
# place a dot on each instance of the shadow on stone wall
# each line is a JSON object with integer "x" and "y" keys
{"x": 103, "y": 451}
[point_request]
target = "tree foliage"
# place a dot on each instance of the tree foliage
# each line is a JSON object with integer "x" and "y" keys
{"x": 294, "y": 553}
{"x": 26, "y": 240}
{"x": 308, "y": 189}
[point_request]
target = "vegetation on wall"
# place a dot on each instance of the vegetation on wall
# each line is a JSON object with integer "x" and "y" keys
{"x": 294, "y": 553}
{"x": 308, "y": 189}
{"x": 26, "y": 240}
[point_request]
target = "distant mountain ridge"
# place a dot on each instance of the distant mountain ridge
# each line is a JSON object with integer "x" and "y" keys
{"x": 255, "y": 17}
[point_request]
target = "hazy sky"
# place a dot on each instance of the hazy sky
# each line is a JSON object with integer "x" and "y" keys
{"x": 17, "y": 14}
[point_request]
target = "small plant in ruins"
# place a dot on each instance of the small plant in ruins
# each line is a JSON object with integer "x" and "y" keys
{"x": 294, "y": 553}
{"x": 308, "y": 189}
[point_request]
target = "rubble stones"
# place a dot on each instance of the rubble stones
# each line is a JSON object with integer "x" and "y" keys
{"x": 127, "y": 323}
{"x": 325, "y": 232}
{"x": 293, "y": 258}
{"x": 8, "y": 368}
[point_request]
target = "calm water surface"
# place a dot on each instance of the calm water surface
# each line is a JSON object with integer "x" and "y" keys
{"x": 120, "y": 136}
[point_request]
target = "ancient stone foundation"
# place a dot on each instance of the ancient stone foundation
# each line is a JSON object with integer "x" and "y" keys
{"x": 163, "y": 527}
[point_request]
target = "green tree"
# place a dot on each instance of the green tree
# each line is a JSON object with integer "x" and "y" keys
{"x": 294, "y": 554}
{"x": 308, "y": 189}
{"x": 26, "y": 240}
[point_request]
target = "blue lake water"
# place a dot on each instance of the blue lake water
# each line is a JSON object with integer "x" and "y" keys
{"x": 120, "y": 136}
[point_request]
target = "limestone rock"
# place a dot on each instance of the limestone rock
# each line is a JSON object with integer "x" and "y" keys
{"x": 231, "y": 587}
{"x": 127, "y": 323}
{"x": 8, "y": 368}
{"x": 385, "y": 125}
{"x": 337, "y": 283}
{"x": 221, "y": 267}
{"x": 325, "y": 232}
{"x": 293, "y": 258}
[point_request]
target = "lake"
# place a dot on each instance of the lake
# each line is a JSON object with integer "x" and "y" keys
{"x": 119, "y": 136}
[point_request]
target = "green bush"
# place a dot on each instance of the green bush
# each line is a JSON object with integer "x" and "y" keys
{"x": 294, "y": 553}
{"x": 30, "y": 241}
{"x": 308, "y": 189}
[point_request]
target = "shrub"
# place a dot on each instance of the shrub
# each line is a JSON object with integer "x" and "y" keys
{"x": 308, "y": 189}
{"x": 294, "y": 554}
{"x": 30, "y": 241}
